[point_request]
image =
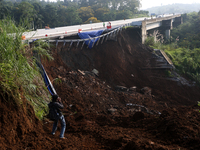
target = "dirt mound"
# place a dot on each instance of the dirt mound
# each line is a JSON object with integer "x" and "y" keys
{"x": 103, "y": 111}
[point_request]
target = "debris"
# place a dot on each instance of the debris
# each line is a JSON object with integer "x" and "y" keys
{"x": 132, "y": 89}
{"x": 61, "y": 68}
{"x": 112, "y": 110}
{"x": 96, "y": 72}
{"x": 81, "y": 72}
{"x": 146, "y": 91}
{"x": 121, "y": 88}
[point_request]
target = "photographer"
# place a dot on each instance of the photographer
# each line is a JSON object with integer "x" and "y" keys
{"x": 56, "y": 105}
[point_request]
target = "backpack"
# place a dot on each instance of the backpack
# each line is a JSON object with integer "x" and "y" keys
{"x": 53, "y": 114}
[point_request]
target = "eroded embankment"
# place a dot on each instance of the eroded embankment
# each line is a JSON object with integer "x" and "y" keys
{"x": 98, "y": 117}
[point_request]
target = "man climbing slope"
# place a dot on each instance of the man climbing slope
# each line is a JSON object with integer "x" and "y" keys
{"x": 55, "y": 107}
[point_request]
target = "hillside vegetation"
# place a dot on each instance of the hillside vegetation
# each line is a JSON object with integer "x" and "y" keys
{"x": 175, "y": 8}
{"x": 38, "y": 14}
{"x": 19, "y": 75}
{"x": 184, "y": 46}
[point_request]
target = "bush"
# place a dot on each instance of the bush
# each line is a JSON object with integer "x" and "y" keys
{"x": 19, "y": 75}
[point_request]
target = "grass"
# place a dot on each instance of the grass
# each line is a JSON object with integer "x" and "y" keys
{"x": 186, "y": 61}
{"x": 19, "y": 74}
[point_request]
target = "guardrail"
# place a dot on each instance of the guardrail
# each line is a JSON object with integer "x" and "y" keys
{"x": 100, "y": 38}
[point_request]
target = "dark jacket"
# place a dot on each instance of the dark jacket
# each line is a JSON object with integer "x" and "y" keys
{"x": 57, "y": 106}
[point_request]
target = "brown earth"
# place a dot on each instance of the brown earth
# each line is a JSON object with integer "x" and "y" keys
{"x": 98, "y": 115}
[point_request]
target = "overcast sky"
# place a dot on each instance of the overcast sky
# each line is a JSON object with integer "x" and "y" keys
{"x": 152, "y": 3}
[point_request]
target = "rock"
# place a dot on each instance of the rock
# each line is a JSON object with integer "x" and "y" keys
{"x": 121, "y": 88}
{"x": 64, "y": 79}
{"x": 59, "y": 77}
{"x": 89, "y": 73}
{"x": 108, "y": 86}
{"x": 133, "y": 88}
{"x": 96, "y": 72}
{"x": 61, "y": 68}
{"x": 112, "y": 110}
{"x": 146, "y": 91}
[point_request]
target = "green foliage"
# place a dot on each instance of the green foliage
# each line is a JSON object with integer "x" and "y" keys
{"x": 41, "y": 50}
{"x": 38, "y": 14}
{"x": 150, "y": 41}
{"x": 186, "y": 61}
{"x": 93, "y": 19}
{"x": 184, "y": 50}
{"x": 100, "y": 13}
{"x": 40, "y": 113}
{"x": 188, "y": 33}
{"x": 18, "y": 72}
{"x": 85, "y": 13}
{"x": 123, "y": 14}
{"x": 168, "y": 73}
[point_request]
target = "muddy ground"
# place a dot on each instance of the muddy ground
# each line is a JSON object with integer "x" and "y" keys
{"x": 100, "y": 112}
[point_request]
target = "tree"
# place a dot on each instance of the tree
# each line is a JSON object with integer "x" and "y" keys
{"x": 85, "y": 13}
{"x": 38, "y": 18}
{"x": 25, "y": 14}
{"x": 99, "y": 13}
{"x": 72, "y": 16}
{"x": 83, "y": 3}
{"x": 93, "y": 19}
{"x": 5, "y": 9}
{"x": 50, "y": 15}
{"x": 131, "y": 5}
{"x": 109, "y": 16}
{"x": 62, "y": 12}
{"x": 123, "y": 14}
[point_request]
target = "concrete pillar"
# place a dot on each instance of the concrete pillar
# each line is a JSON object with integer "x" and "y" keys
{"x": 144, "y": 31}
{"x": 171, "y": 24}
{"x": 178, "y": 21}
{"x": 167, "y": 34}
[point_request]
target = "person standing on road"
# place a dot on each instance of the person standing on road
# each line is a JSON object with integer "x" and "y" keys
{"x": 57, "y": 105}
{"x": 104, "y": 24}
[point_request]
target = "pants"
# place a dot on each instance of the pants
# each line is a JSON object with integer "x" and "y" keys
{"x": 63, "y": 126}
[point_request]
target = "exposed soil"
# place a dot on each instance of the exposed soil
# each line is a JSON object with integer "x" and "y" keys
{"x": 162, "y": 116}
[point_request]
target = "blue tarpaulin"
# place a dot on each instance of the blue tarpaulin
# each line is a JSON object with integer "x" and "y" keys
{"x": 90, "y": 34}
{"x": 46, "y": 79}
{"x": 44, "y": 74}
{"x": 48, "y": 82}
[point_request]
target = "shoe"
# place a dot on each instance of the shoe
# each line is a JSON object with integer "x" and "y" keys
{"x": 52, "y": 133}
{"x": 64, "y": 138}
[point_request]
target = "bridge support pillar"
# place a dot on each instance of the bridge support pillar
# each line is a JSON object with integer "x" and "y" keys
{"x": 167, "y": 25}
{"x": 144, "y": 32}
{"x": 177, "y": 21}
{"x": 167, "y": 34}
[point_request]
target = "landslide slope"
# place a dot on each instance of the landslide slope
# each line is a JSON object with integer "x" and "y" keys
{"x": 97, "y": 115}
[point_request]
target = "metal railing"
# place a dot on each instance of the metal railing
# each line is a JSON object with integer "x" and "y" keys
{"x": 100, "y": 38}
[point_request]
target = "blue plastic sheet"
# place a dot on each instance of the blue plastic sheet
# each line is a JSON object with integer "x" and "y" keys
{"x": 48, "y": 82}
{"x": 46, "y": 79}
{"x": 90, "y": 34}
